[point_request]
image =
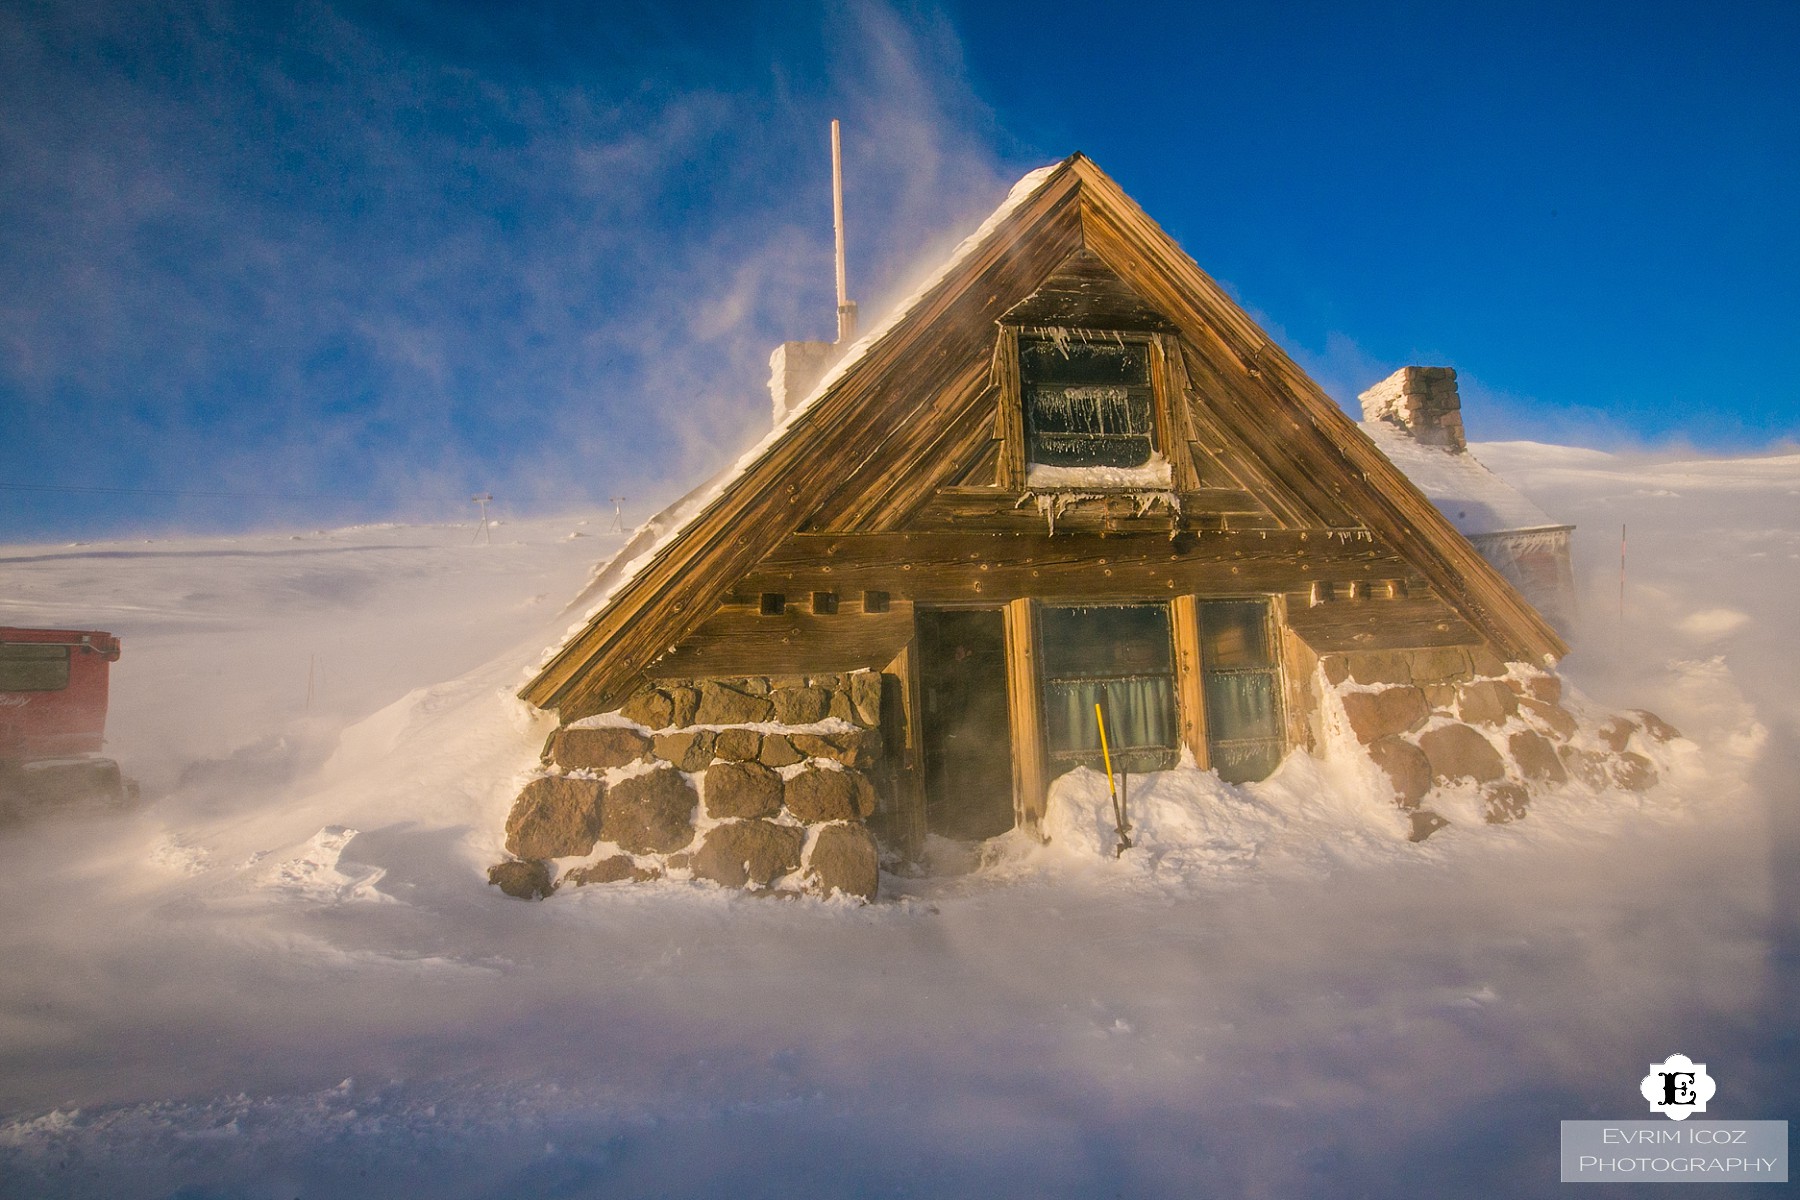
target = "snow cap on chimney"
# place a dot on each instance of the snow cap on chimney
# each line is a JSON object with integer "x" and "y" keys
{"x": 795, "y": 369}
{"x": 1422, "y": 401}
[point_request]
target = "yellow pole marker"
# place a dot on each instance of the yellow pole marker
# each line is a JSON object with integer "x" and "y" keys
{"x": 1111, "y": 786}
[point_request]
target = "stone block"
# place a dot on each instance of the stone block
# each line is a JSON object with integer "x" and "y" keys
{"x": 721, "y": 705}
{"x": 738, "y": 745}
{"x": 1485, "y": 702}
{"x": 1536, "y": 757}
{"x": 1616, "y": 733}
{"x": 865, "y": 697}
{"x": 1586, "y": 766}
{"x": 835, "y": 682}
{"x": 650, "y": 813}
{"x": 1438, "y": 665}
{"x": 840, "y": 708}
{"x": 1554, "y": 717}
{"x": 1459, "y": 752}
{"x": 1545, "y": 688}
{"x": 1485, "y": 662}
{"x": 1336, "y": 669}
{"x": 1406, "y": 766}
{"x": 1658, "y": 729}
{"x": 1633, "y": 772}
{"x": 617, "y": 869}
{"x": 742, "y": 789}
{"x": 1381, "y": 714}
{"x": 522, "y": 880}
{"x": 689, "y": 751}
{"x": 598, "y": 749}
{"x": 844, "y": 859}
{"x": 858, "y": 748}
{"x": 1504, "y": 802}
{"x": 778, "y": 751}
{"x": 1373, "y": 667}
{"x": 749, "y": 852}
{"x": 801, "y": 706}
{"x": 755, "y": 685}
{"x": 1441, "y": 696}
{"x": 685, "y": 701}
{"x": 816, "y": 795}
{"x": 650, "y": 708}
{"x": 1424, "y": 824}
{"x": 555, "y": 817}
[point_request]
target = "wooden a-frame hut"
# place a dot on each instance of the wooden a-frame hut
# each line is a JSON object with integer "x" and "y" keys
{"x": 1070, "y": 470}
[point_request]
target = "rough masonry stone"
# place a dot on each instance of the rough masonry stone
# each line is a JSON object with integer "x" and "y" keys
{"x": 598, "y": 749}
{"x": 749, "y": 852}
{"x": 844, "y": 859}
{"x": 1380, "y": 714}
{"x": 650, "y": 813}
{"x": 1459, "y": 752}
{"x": 555, "y": 817}
{"x": 742, "y": 789}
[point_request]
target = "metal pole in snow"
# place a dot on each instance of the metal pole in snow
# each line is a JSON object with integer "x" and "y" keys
{"x": 1119, "y": 822}
{"x": 483, "y": 533}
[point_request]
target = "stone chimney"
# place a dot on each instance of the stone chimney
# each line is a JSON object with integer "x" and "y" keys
{"x": 795, "y": 369}
{"x": 1422, "y": 401}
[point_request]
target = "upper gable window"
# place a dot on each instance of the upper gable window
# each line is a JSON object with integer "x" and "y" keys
{"x": 1087, "y": 403}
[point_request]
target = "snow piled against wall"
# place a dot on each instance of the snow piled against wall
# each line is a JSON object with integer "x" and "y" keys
{"x": 284, "y": 974}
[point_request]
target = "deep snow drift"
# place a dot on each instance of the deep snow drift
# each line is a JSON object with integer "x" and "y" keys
{"x": 284, "y": 975}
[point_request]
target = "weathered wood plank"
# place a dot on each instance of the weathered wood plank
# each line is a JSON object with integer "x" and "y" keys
{"x": 1084, "y": 293}
{"x": 996, "y": 567}
{"x": 997, "y": 510}
{"x": 742, "y": 641}
{"x": 1379, "y": 624}
{"x": 1190, "y": 678}
{"x": 1025, "y": 708}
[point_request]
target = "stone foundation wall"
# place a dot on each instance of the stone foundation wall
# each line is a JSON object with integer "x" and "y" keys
{"x": 1451, "y": 716}
{"x": 759, "y": 782}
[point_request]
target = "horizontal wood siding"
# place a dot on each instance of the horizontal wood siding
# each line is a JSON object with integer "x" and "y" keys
{"x": 985, "y": 567}
{"x": 742, "y": 641}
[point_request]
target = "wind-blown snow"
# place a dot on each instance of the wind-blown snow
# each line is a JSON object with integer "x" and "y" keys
{"x": 613, "y": 577}
{"x": 284, "y": 973}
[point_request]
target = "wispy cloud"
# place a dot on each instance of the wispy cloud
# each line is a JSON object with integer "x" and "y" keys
{"x": 349, "y": 252}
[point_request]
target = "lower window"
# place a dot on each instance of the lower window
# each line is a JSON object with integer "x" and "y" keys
{"x": 1119, "y": 657}
{"x": 1242, "y": 682}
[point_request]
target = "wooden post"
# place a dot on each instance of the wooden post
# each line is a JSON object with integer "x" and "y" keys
{"x": 1190, "y": 681}
{"x": 1024, "y": 704}
{"x": 909, "y": 776}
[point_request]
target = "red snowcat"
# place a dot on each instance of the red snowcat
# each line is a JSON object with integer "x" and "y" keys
{"x": 53, "y": 719}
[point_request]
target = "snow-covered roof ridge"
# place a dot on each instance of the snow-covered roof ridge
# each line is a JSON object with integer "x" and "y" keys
{"x": 1474, "y": 499}
{"x": 609, "y": 579}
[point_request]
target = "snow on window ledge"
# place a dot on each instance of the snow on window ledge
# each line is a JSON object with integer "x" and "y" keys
{"x": 1153, "y": 474}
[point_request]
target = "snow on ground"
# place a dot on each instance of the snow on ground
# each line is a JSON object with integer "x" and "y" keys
{"x": 283, "y": 974}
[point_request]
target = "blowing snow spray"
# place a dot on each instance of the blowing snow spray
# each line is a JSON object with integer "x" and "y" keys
{"x": 1118, "y": 799}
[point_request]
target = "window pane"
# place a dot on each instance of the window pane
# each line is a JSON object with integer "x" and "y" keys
{"x": 1127, "y": 639}
{"x": 1116, "y": 656}
{"x": 1235, "y": 634}
{"x": 1240, "y": 705}
{"x": 1243, "y": 689}
{"x": 34, "y": 668}
{"x": 1087, "y": 403}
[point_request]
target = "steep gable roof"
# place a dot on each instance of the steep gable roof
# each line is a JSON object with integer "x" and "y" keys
{"x": 916, "y": 390}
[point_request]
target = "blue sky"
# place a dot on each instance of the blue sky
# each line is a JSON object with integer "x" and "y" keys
{"x": 312, "y": 263}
